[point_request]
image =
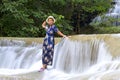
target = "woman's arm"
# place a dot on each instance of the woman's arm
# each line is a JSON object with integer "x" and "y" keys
{"x": 44, "y": 24}
{"x": 61, "y": 34}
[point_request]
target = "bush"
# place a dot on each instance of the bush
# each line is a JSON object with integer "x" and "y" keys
{"x": 106, "y": 30}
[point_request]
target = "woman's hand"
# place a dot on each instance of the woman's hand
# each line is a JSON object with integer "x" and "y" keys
{"x": 66, "y": 36}
{"x": 61, "y": 34}
{"x": 44, "y": 24}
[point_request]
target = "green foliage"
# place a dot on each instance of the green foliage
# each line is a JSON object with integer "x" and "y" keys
{"x": 23, "y": 18}
{"x": 105, "y": 25}
{"x": 107, "y": 30}
{"x": 86, "y": 10}
{"x": 104, "y": 21}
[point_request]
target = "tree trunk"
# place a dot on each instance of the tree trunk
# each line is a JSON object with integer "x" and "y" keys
{"x": 78, "y": 23}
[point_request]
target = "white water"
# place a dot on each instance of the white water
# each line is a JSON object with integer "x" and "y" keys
{"x": 113, "y": 12}
{"x": 17, "y": 55}
{"x": 73, "y": 60}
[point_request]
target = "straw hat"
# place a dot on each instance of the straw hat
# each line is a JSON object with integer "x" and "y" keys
{"x": 49, "y": 18}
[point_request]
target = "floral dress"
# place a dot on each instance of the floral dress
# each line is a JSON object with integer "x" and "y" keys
{"x": 48, "y": 45}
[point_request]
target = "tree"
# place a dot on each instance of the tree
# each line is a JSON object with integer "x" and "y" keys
{"x": 86, "y": 10}
{"x": 80, "y": 12}
{"x": 24, "y": 17}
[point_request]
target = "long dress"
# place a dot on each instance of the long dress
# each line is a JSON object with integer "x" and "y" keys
{"x": 48, "y": 45}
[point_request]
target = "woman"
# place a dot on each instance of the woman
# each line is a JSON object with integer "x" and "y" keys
{"x": 48, "y": 44}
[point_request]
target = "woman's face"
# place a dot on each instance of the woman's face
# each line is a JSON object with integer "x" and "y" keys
{"x": 50, "y": 21}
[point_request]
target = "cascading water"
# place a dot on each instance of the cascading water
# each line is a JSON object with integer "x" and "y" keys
{"x": 17, "y": 55}
{"x": 113, "y": 13}
{"x": 84, "y": 57}
{"x": 78, "y": 56}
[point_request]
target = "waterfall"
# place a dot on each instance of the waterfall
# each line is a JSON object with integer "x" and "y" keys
{"x": 18, "y": 55}
{"x": 81, "y": 57}
{"x": 78, "y": 56}
{"x": 113, "y": 13}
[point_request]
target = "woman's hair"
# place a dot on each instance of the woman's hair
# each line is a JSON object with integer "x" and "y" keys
{"x": 50, "y": 18}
